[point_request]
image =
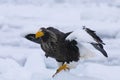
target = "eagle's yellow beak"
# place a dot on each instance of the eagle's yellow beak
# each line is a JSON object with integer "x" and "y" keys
{"x": 39, "y": 34}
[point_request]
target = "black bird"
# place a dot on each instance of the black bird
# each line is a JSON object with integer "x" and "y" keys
{"x": 64, "y": 47}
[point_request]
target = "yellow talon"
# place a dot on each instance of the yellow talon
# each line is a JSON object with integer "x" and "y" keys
{"x": 63, "y": 67}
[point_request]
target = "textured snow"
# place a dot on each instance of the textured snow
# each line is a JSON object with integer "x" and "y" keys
{"x": 21, "y": 59}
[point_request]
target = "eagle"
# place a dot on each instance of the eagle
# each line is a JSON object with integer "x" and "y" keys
{"x": 67, "y": 48}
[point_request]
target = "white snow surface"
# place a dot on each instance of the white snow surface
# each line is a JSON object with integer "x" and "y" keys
{"x": 21, "y": 59}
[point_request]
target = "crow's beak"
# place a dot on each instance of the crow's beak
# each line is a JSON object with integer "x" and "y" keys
{"x": 39, "y": 34}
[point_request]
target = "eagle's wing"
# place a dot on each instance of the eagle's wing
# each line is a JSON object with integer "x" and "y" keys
{"x": 32, "y": 38}
{"x": 89, "y": 36}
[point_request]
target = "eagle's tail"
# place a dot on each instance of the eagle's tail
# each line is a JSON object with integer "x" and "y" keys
{"x": 100, "y": 48}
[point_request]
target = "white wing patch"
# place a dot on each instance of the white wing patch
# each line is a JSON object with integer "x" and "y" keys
{"x": 81, "y": 36}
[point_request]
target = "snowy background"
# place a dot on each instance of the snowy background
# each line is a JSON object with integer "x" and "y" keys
{"x": 21, "y": 59}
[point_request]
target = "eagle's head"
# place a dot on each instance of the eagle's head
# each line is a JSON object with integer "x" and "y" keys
{"x": 45, "y": 34}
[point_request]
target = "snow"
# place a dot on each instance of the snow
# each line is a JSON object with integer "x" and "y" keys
{"x": 21, "y": 59}
{"x": 64, "y": 76}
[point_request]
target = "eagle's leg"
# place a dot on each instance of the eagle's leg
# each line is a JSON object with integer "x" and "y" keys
{"x": 63, "y": 67}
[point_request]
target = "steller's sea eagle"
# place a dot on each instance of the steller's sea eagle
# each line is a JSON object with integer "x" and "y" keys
{"x": 67, "y": 48}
